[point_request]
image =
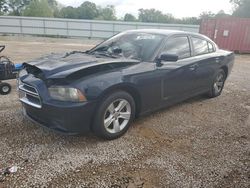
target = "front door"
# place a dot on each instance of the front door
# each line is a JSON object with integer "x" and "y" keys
{"x": 177, "y": 78}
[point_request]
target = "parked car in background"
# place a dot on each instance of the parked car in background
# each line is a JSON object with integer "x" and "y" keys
{"x": 133, "y": 73}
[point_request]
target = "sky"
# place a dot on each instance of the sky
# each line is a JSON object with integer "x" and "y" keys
{"x": 179, "y": 8}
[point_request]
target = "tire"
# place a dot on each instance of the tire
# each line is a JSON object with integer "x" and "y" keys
{"x": 5, "y": 88}
{"x": 218, "y": 84}
{"x": 118, "y": 111}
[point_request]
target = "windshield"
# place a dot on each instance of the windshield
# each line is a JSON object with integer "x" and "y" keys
{"x": 140, "y": 46}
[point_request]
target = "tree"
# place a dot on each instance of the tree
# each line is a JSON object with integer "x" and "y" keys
{"x": 153, "y": 15}
{"x": 15, "y": 7}
{"x": 222, "y": 14}
{"x": 241, "y": 8}
{"x": 53, "y": 4}
{"x": 188, "y": 20}
{"x": 38, "y": 8}
{"x": 129, "y": 18}
{"x": 205, "y": 15}
{"x": 237, "y": 2}
{"x": 87, "y": 10}
{"x": 107, "y": 13}
{"x": 3, "y": 7}
{"x": 69, "y": 12}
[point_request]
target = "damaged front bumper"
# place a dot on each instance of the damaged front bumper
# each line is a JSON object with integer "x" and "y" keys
{"x": 70, "y": 119}
{"x": 64, "y": 117}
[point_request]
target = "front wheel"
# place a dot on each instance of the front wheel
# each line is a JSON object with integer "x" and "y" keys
{"x": 218, "y": 84}
{"x": 114, "y": 115}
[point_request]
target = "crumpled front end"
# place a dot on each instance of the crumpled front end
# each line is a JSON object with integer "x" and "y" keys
{"x": 65, "y": 117}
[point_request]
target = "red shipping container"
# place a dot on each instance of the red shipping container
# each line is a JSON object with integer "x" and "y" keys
{"x": 229, "y": 33}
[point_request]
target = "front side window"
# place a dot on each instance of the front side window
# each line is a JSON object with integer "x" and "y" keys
{"x": 141, "y": 46}
{"x": 178, "y": 46}
{"x": 200, "y": 46}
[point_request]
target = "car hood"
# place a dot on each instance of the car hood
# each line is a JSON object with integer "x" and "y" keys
{"x": 61, "y": 65}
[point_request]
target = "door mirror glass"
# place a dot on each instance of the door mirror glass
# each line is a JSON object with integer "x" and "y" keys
{"x": 168, "y": 57}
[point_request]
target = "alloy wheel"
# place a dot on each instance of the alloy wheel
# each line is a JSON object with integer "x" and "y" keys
{"x": 219, "y": 82}
{"x": 117, "y": 116}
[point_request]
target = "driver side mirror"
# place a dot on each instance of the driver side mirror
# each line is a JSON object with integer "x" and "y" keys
{"x": 168, "y": 57}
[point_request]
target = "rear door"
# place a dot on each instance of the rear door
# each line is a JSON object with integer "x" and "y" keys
{"x": 206, "y": 62}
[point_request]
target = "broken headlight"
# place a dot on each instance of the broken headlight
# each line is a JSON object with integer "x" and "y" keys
{"x": 61, "y": 93}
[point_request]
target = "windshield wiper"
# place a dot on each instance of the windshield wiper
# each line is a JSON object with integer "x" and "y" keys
{"x": 136, "y": 58}
{"x": 74, "y": 52}
{"x": 104, "y": 53}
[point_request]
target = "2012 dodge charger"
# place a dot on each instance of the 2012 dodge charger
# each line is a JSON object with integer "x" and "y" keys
{"x": 133, "y": 73}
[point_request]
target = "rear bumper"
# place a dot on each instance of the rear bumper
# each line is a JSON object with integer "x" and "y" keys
{"x": 67, "y": 119}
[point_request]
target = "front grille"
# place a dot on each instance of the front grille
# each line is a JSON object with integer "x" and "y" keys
{"x": 29, "y": 88}
{"x": 29, "y": 95}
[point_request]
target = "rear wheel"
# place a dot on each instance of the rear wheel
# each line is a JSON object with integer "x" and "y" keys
{"x": 114, "y": 115}
{"x": 5, "y": 88}
{"x": 218, "y": 84}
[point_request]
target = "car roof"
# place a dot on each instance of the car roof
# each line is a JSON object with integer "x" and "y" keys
{"x": 166, "y": 32}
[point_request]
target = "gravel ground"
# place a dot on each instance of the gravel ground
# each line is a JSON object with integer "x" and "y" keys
{"x": 198, "y": 143}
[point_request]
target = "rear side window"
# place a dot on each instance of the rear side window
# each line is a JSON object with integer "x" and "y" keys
{"x": 200, "y": 46}
{"x": 178, "y": 46}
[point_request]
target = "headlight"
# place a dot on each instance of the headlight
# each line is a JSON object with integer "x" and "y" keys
{"x": 22, "y": 73}
{"x": 61, "y": 93}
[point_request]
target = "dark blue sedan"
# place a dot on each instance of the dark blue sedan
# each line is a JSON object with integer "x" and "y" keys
{"x": 131, "y": 74}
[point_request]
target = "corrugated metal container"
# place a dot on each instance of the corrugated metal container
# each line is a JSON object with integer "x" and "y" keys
{"x": 229, "y": 33}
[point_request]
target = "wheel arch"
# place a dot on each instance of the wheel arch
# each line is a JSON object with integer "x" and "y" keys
{"x": 129, "y": 88}
{"x": 225, "y": 69}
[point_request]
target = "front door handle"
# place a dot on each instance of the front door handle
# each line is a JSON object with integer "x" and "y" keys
{"x": 217, "y": 60}
{"x": 193, "y": 67}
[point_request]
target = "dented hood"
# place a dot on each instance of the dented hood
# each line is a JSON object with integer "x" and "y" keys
{"x": 61, "y": 66}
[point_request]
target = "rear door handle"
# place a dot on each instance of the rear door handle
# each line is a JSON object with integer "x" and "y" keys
{"x": 193, "y": 67}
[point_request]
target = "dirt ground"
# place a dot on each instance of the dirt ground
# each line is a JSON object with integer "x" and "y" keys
{"x": 198, "y": 143}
